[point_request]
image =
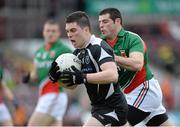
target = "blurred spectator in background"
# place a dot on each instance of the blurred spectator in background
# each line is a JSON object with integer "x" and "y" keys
{"x": 167, "y": 58}
{"x": 3, "y": 28}
{"x": 80, "y": 5}
{"x": 20, "y": 116}
{"x": 168, "y": 92}
{"x": 164, "y": 29}
{"x": 52, "y": 101}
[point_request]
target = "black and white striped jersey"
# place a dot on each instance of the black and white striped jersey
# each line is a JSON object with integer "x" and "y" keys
{"x": 92, "y": 57}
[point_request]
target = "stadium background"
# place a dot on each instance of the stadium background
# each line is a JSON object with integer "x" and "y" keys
{"x": 157, "y": 22}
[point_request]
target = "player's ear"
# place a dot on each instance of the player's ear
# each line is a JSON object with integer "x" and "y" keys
{"x": 86, "y": 28}
{"x": 118, "y": 20}
{"x": 59, "y": 32}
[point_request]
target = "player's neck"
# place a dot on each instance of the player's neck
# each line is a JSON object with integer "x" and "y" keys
{"x": 48, "y": 46}
{"x": 114, "y": 34}
{"x": 87, "y": 40}
{"x": 113, "y": 37}
{"x": 112, "y": 42}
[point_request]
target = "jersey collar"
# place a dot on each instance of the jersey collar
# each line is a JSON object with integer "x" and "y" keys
{"x": 91, "y": 40}
{"x": 51, "y": 45}
{"x": 121, "y": 32}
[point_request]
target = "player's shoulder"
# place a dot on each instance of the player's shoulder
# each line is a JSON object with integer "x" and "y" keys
{"x": 98, "y": 43}
{"x": 58, "y": 43}
{"x": 39, "y": 51}
{"x": 61, "y": 45}
{"x": 133, "y": 35}
{"x": 95, "y": 40}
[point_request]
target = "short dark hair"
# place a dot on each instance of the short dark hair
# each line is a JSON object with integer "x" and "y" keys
{"x": 113, "y": 12}
{"x": 51, "y": 21}
{"x": 80, "y": 17}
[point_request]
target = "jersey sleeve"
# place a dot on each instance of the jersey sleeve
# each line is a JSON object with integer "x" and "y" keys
{"x": 137, "y": 45}
{"x": 106, "y": 53}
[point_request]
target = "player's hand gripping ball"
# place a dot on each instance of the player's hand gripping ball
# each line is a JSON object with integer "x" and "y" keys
{"x": 66, "y": 60}
{"x": 63, "y": 63}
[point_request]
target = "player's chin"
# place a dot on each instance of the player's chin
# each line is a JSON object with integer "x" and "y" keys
{"x": 74, "y": 44}
{"x": 50, "y": 42}
{"x": 104, "y": 32}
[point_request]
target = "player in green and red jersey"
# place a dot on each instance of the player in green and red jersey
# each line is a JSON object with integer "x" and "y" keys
{"x": 142, "y": 91}
{"x": 52, "y": 101}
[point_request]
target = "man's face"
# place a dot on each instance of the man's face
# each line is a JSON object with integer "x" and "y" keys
{"x": 76, "y": 34}
{"x": 107, "y": 25}
{"x": 51, "y": 33}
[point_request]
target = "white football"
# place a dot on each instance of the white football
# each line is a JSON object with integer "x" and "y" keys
{"x": 66, "y": 60}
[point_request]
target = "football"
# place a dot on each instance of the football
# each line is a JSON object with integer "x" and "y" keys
{"x": 66, "y": 60}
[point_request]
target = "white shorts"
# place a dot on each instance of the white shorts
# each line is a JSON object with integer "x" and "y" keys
{"x": 53, "y": 104}
{"x": 4, "y": 113}
{"x": 148, "y": 98}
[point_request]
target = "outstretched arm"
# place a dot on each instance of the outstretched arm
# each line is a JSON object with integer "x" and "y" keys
{"x": 30, "y": 76}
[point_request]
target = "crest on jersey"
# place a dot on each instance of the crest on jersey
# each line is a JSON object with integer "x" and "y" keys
{"x": 87, "y": 60}
{"x": 123, "y": 53}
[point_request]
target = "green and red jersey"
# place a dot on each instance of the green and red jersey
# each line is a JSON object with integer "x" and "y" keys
{"x": 43, "y": 59}
{"x": 126, "y": 43}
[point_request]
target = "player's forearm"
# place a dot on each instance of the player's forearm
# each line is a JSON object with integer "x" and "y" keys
{"x": 129, "y": 63}
{"x": 104, "y": 77}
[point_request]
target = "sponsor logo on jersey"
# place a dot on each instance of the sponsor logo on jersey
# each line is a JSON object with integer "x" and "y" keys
{"x": 87, "y": 60}
{"x": 123, "y": 53}
{"x": 43, "y": 64}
